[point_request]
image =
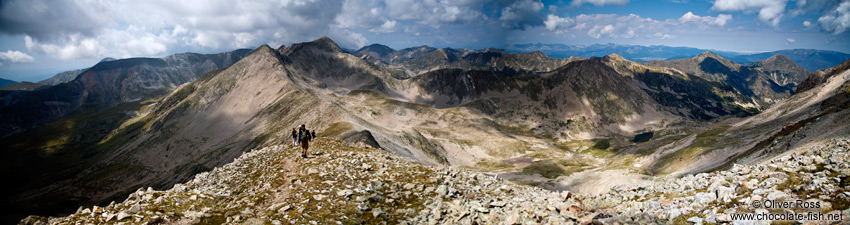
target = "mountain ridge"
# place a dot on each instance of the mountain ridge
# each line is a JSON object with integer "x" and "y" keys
{"x": 108, "y": 83}
{"x": 542, "y": 127}
{"x": 752, "y": 81}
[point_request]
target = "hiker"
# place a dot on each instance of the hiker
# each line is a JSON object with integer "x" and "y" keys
{"x": 294, "y": 138}
{"x": 314, "y": 133}
{"x": 305, "y": 138}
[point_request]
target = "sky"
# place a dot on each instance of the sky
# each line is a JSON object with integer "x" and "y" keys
{"x": 39, "y": 38}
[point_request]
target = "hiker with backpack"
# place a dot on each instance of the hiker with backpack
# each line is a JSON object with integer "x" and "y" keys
{"x": 305, "y": 137}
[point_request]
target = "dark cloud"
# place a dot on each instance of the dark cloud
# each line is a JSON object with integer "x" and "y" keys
{"x": 521, "y": 14}
{"x": 44, "y": 19}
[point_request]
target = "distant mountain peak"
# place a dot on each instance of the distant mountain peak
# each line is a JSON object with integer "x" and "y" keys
{"x": 779, "y": 61}
{"x": 326, "y": 43}
{"x": 614, "y": 56}
{"x": 264, "y": 46}
{"x": 780, "y": 58}
{"x": 378, "y": 46}
{"x": 707, "y": 54}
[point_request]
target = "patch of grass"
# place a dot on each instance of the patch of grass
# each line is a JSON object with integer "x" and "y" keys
{"x": 546, "y": 169}
{"x": 683, "y": 218}
{"x": 703, "y": 143}
{"x": 602, "y": 144}
{"x": 337, "y": 128}
{"x": 492, "y": 165}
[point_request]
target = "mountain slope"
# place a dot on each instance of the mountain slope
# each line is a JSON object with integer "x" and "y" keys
{"x": 686, "y": 95}
{"x": 109, "y": 83}
{"x": 22, "y": 86}
{"x": 809, "y": 116}
{"x": 144, "y": 148}
{"x": 63, "y": 77}
{"x": 822, "y": 76}
{"x": 377, "y": 53}
{"x": 781, "y": 70}
{"x": 4, "y": 82}
{"x": 68, "y": 76}
{"x": 751, "y": 82}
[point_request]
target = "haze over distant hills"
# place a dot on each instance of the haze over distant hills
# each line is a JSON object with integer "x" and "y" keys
{"x": 810, "y": 59}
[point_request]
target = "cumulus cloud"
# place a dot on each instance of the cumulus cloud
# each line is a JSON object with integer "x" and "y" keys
{"x": 720, "y": 20}
{"x": 838, "y": 20}
{"x": 611, "y": 26}
{"x": 633, "y": 26}
{"x": 616, "y": 26}
{"x": 433, "y": 13}
{"x": 522, "y": 13}
{"x": 124, "y": 28}
{"x": 387, "y": 27}
{"x": 575, "y": 3}
{"x": 554, "y": 22}
{"x": 15, "y": 57}
{"x": 769, "y": 11}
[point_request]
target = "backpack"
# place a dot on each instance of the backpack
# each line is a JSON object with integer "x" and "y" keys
{"x": 300, "y": 134}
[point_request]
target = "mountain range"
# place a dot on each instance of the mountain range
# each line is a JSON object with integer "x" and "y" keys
{"x": 106, "y": 84}
{"x": 526, "y": 117}
{"x": 4, "y": 82}
{"x": 810, "y": 59}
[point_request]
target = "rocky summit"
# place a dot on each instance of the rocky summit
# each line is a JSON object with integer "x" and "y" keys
{"x": 345, "y": 183}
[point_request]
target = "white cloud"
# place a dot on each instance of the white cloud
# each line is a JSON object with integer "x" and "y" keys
{"x": 610, "y": 25}
{"x": 836, "y": 21}
{"x": 522, "y": 13}
{"x": 597, "y": 31}
{"x": 769, "y": 11}
{"x": 554, "y": 22}
{"x": 131, "y": 42}
{"x": 720, "y": 20}
{"x": 433, "y": 13}
{"x": 15, "y": 57}
{"x": 807, "y": 24}
{"x": 663, "y": 36}
{"x": 94, "y": 29}
{"x": 789, "y": 41}
{"x": 575, "y": 3}
{"x": 635, "y": 27}
{"x": 387, "y": 27}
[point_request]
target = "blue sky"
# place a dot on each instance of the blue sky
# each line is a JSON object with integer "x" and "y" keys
{"x": 39, "y": 38}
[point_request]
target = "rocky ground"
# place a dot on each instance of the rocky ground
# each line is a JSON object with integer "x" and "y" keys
{"x": 344, "y": 183}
